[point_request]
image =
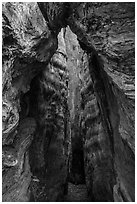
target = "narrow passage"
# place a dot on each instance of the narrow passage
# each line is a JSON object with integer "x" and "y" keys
{"x": 77, "y": 193}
